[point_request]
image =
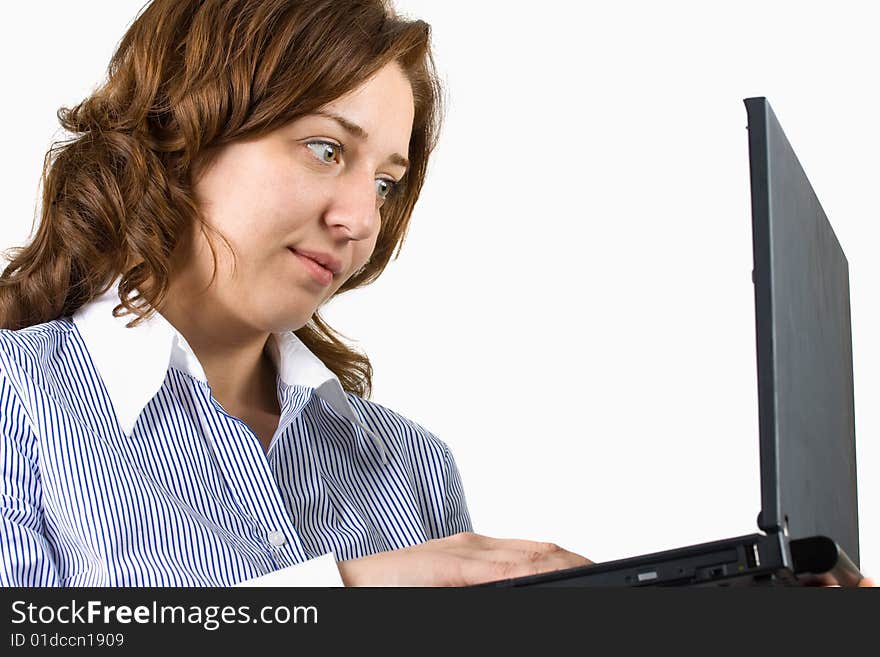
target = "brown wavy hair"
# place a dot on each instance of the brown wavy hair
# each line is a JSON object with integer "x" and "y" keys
{"x": 189, "y": 76}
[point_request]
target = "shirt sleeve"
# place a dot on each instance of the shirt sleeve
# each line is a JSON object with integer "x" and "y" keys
{"x": 320, "y": 571}
{"x": 455, "y": 512}
{"x": 26, "y": 557}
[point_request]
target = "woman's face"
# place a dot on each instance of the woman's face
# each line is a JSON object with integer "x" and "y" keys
{"x": 309, "y": 191}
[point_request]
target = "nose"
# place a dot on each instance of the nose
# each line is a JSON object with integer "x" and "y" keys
{"x": 353, "y": 212}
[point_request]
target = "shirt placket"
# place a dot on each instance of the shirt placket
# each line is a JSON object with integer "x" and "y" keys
{"x": 250, "y": 479}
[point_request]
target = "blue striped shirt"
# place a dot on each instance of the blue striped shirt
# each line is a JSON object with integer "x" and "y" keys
{"x": 119, "y": 468}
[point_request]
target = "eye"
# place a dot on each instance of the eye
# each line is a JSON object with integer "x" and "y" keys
{"x": 325, "y": 149}
{"x": 386, "y": 188}
{"x": 329, "y": 152}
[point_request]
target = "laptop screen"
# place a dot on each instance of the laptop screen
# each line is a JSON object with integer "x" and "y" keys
{"x": 805, "y": 380}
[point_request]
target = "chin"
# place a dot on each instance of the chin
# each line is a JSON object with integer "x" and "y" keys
{"x": 291, "y": 326}
{"x": 278, "y": 322}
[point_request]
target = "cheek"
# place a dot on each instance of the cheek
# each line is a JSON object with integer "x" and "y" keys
{"x": 364, "y": 250}
{"x": 360, "y": 256}
{"x": 265, "y": 222}
{"x": 251, "y": 197}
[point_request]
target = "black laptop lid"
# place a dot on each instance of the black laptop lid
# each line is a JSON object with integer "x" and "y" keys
{"x": 804, "y": 348}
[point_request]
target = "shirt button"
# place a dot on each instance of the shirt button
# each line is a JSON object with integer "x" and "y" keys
{"x": 277, "y": 539}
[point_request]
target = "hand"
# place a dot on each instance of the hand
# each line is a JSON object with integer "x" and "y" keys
{"x": 828, "y": 581}
{"x": 458, "y": 560}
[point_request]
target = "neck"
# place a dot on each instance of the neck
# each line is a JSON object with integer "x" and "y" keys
{"x": 234, "y": 356}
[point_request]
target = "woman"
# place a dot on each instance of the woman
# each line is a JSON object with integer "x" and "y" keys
{"x": 174, "y": 413}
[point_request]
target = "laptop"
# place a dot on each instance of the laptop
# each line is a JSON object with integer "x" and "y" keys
{"x": 808, "y": 530}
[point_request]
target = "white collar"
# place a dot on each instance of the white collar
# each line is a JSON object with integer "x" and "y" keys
{"x": 133, "y": 361}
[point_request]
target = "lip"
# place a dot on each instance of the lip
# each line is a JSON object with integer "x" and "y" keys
{"x": 319, "y": 273}
{"x": 326, "y": 260}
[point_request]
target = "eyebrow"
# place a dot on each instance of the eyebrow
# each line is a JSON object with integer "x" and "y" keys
{"x": 360, "y": 133}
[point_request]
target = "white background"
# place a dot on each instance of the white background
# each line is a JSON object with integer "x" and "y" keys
{"x": 573, "y": 311}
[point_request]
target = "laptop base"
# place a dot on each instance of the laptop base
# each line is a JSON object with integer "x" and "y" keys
{"x": 752, "y": 560}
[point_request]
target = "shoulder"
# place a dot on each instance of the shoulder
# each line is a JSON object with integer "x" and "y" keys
{"x": 33, "y": 359}
{"x": 405, "y": 432}
{"x": 26, "y": 355}
{"x": 34, "y": 348}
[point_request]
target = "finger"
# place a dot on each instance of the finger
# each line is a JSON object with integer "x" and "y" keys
{"x": 543, "y": 561}
{"x": 482, "y": 570}
{"x": 495, "y": 565}
{"x": 528, "y": 552}
{"x": 817, "y": 580}
{"x": 522, "y": 545}
{"x": 479, "y": 541}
